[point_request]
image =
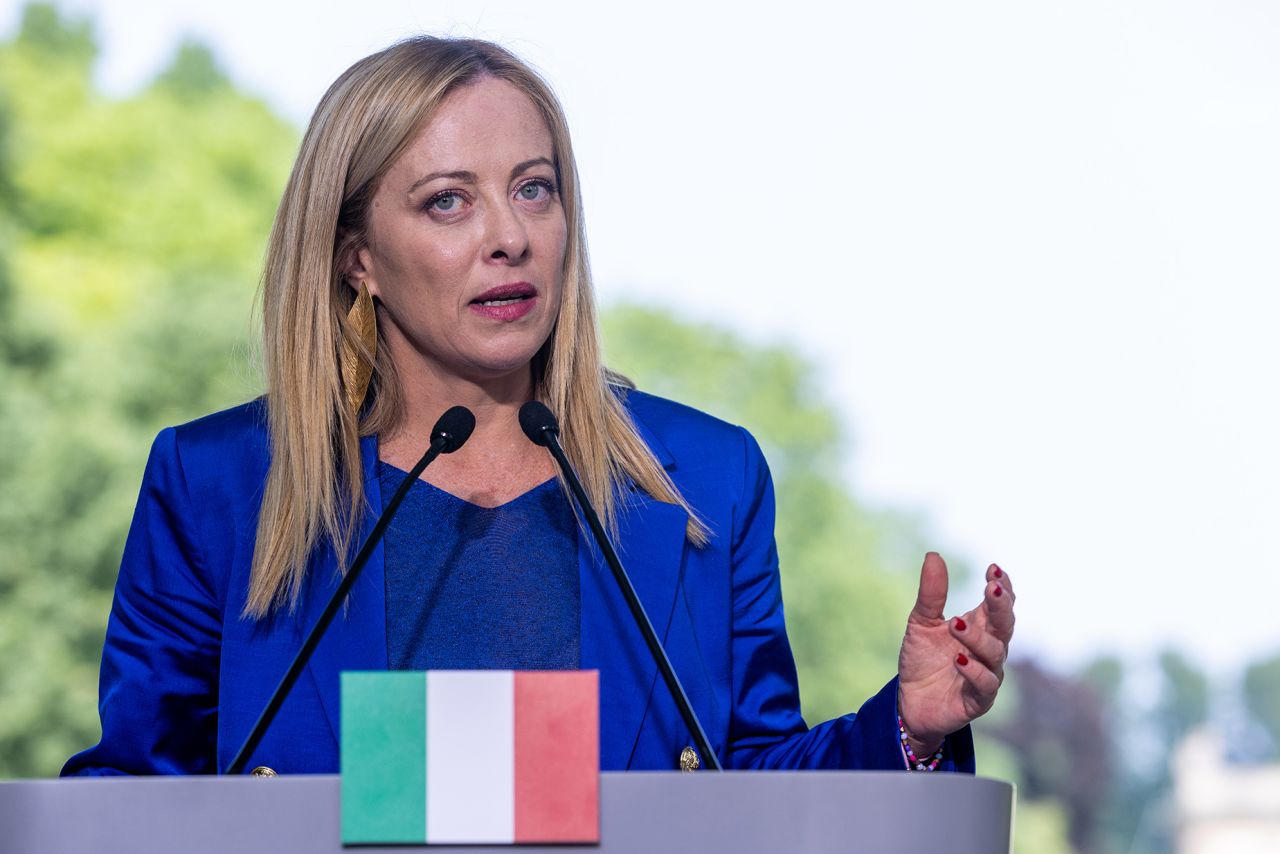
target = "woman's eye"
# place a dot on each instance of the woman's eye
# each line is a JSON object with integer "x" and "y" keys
{"x": 445, "y": 202}
{"x": 534, "y": 191}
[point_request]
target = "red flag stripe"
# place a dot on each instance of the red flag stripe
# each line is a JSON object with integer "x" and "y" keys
{"x": 557, "y": 757}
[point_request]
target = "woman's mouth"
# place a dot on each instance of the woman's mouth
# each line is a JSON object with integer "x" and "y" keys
{"x": 506, "y": 302}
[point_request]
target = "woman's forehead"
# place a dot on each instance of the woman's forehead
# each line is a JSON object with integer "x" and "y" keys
{"x": 488, "y": 124}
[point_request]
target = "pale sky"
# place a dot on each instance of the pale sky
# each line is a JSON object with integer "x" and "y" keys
{"x": 1032, "y": 245}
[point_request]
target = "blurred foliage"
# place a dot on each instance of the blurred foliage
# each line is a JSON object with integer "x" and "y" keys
{"x": 1105, "y": 676}
{"x": 1054, "y": 725}
{"x": 1040, "y": 823}
{"x": 194, "y": 72}
{"x": 1262, "y": 696}
{"x": 847, "y": 571}
{"x": 1040, "y": 827}
{"x": 134, "y": 233}
{"x": 1081, "y": 743}
{"x": 1184, "y": 697}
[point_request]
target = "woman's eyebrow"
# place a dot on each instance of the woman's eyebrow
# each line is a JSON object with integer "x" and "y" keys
{"x": 470, "y": 177}
{"x": 455, "y": 175}
{"x": 526, "y": 165}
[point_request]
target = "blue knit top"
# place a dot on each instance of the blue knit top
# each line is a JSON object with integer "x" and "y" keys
{"x": 472, "y": 587}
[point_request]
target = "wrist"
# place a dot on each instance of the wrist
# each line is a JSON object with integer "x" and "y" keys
{"x": 923, "y": 748}
{"x": 922, "y": 739}
{"x": 916, "y": 753}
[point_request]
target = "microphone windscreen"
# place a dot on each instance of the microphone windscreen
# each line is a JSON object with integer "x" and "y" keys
{"x": 537, "y": 421}
{"x": 454, "y": 428}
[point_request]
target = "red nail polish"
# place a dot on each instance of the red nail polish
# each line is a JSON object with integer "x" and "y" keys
{"x": 962, "y": 659}
{"x": 999, "y": 573}
{"x": 999, "y": 591}
{"x": 960, "y": 626}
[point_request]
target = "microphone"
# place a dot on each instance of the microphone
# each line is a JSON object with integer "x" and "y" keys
{"x": 450, "y": 433}
{"x": 542, "y": 429}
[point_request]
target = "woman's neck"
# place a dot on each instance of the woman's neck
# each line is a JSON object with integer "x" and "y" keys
{"x": 498, "y": 462}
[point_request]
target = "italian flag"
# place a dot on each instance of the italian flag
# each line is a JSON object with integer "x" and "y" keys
{"x": 470, "y": 757}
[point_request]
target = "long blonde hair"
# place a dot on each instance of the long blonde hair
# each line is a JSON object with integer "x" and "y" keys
{"x": 314, "y": 492}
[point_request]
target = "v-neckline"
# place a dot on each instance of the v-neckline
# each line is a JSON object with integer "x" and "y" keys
{"x": 420, "y": 484}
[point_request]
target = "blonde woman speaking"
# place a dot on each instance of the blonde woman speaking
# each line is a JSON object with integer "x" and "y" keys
{"x": 430, "y": 251}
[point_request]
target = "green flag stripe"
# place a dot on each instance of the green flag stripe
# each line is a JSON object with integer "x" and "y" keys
{"x": 384, "y": 757}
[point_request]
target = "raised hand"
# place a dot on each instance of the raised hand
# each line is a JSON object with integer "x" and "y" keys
{"x": 949, "y": 671}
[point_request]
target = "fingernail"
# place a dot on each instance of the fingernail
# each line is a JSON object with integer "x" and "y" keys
{"x": 999, "y": 592}
{"x": 999, "y": 572}
{"x": 959, "y": 625}
{"x": 962, "y": 659}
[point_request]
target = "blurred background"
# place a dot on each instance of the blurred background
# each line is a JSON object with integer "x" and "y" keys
{"x": 997, "y": 279}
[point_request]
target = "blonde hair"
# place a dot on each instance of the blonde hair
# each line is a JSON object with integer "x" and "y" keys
{"x": 314, "y": 492}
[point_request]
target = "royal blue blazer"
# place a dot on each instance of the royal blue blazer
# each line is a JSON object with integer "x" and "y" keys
{"x": 184, "y": 676}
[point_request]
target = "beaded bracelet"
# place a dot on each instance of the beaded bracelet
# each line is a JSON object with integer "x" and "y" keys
{"x": 914, "y": 763}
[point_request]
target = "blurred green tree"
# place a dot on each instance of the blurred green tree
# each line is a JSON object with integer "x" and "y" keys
{"x": 135, "y": 232}
{"x": 1184, "y": 697}
{"x": 1262, "y": 697}
{"x": 1056, "y": 729}
{"x": 193, "y": 72}
{"x": 848, "y": 571}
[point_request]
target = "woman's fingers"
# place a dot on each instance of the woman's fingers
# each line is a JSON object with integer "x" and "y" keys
{"x": 932, "y": 596}
{"x": 985, "y": 631}
{"x": 980, "y": 638}
{"x": 995, "y": 573}
{"x": 983, "y": 684}
{"x": 998, "y": 598}
{"x": 980, "y": 644}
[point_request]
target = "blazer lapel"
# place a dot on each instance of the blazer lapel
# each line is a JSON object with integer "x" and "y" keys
{"x": 357, "y": 638}
{"x": 651, "y": 541}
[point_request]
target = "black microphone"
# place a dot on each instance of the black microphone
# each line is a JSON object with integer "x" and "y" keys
{"x": 540, "y": 426}
{"x": 450, "y": 433}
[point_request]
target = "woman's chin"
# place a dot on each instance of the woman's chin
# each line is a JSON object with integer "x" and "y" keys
{"x": 499, "y": 366}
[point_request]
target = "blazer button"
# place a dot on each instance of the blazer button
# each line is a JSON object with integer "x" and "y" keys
{"x": 263, "y": 771}
{"x": 689, "y": 759}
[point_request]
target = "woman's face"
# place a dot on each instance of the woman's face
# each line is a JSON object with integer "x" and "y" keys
{"x": 467, "y": 238}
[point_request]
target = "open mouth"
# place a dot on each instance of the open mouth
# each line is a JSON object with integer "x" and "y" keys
{"x": 506, "y": 295}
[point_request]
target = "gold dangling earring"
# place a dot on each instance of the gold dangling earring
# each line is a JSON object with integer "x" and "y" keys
{"x": 357, "y": 370}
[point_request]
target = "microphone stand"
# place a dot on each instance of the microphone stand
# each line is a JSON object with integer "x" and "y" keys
{"x": 446, "y": 438}
{"x": 552, "y": 443}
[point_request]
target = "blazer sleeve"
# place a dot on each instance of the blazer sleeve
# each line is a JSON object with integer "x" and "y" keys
{"x": 766, "y": 729}
{"x": 158, "y": 684}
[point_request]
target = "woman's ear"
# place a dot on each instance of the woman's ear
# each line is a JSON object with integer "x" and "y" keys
{"x": 359, "y": 269}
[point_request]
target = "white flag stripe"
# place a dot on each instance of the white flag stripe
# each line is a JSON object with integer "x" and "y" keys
{"x": 470, "y": 756}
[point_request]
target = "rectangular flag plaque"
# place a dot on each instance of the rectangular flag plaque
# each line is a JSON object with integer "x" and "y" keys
{"x": 470, "y": 757}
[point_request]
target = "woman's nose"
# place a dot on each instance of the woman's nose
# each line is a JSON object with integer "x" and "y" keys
{"x": 507, "y": 236}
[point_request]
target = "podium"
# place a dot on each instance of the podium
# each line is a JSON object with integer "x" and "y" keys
{"x": 640, "y": 813}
